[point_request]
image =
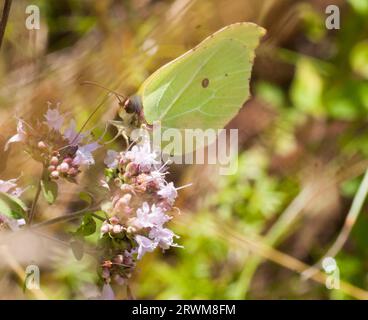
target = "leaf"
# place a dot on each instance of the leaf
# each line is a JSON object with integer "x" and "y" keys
{"x": 307, "y": 88}
{"x": 49, "y": 189}
{"x": 87, "y": 227}
{"x": 77, "y": 247}
{"x": 359, "y": 59}
{"x": 86, "y": 197}
{"x": 360, "y": 6}
{"x": 11, "y": 206}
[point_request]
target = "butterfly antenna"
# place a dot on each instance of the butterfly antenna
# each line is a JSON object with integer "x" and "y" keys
{"x": 92, "y": 83}
{"x": 89, "y": 118}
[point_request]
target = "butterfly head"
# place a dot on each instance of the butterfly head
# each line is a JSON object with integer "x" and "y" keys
{"x": 131, "y": 113}
{"x": 132, "y": 105}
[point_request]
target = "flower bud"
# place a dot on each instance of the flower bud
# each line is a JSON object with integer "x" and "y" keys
{"x": 54, "y": 161}
{"x": 73, "y": 172}
{"x": 126, "y": 198}
{"x": 126, "y": 177}
{"x": 64, "y": 167}
{"x": 68, "y": 160}
{"x": 114, "y": 220}
{"x": 119, "y": 259}
{"x": 117, "y": 229}
{"x": 117, "y": 182}
{"x": 105, "y": 273}
{"x": 132, "y": 168}
{"x": 105, "y": 228}
{"x": 54, "y": 174}
{"x": 131, "y": 229}
{"x": 107, "y": 264}
{"x": 42, "y": 145}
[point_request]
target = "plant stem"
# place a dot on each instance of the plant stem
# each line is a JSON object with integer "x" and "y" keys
{"x": 71, "y": 216}
{"x": 35, "y": 200}
{"x": 350, "y": 220}
{"x": 4, "y": 19}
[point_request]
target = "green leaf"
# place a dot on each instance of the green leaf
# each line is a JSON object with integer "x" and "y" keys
{"x": 11, "y": 206}
{"x": 307, "y": 88}
{"x": 360, "y": 6}
{"x": 359, "y": 59}
{"x": 77, "y": 247}
{"x": 49, "y": 189}
{"x": 86, "y": 197}
{"x": 87, "y": 227}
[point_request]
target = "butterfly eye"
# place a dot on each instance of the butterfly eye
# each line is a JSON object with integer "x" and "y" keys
{"x": 129, "y": 106}
{"x": 132, "y": 105}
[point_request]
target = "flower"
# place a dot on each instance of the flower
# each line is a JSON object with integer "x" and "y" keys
{"x": 150, "y": 217}
{"x": 163, "y": 237}
{"x": 72, "y": 135}
{"x": 144, "y": 245}
{"x": 13, "y": 224}
{"x": 5, "y": 186}
{"x": 140, "y": 198}
{"x": 84, "y": 154}
{"x": 142, "y": 156}
{"x": 107, "y": 292}
{"x": 111, "y": 159}
{"x": 19, "y": 136}
{"x": 10, "y": 186}
{"x": 61, "y": 152}
{"x": 168, "y": 192}
{"x": 54, "y": 119}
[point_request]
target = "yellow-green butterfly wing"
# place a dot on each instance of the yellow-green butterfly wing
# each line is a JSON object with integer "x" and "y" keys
{"x": 205, "y": 87}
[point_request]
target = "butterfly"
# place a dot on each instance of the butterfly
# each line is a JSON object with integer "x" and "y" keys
{"x": 203, "y": 88}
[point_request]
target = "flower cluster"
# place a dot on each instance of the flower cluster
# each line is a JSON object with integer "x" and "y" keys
{"x": 141, "y": 199}
{"x": 63, "y": 152}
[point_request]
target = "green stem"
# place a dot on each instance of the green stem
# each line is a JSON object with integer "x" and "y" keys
{"x": 350, "y": 220}
{"x": 4, "y": 19}
{"x": 272, "y": 238}
{"x": 68, "y": 217}
{"x": 34, "y": 203}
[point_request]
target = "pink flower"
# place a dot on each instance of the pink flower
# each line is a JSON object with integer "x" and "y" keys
{"x": 144, "y": 245}
{"x": 19, "y": 136}
{"x": 168, "y": 192}
{"x": 111, "y": 159}
{"x": 107, "y": 293}
{"x": 54, "y": 119}
{"x": 84, "y": 154}
{"x": 163, "y": 237}
{"x": 150, "y": 217}
{"x": 10, "y": 186}
{"x": 13, "y": 224}
{"x": 141, "y": 155}
{"x": 5, "y": 186}
{"x": 72, "y": 135}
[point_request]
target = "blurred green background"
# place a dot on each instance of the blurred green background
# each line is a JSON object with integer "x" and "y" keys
{"x": 303, "y": 141}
